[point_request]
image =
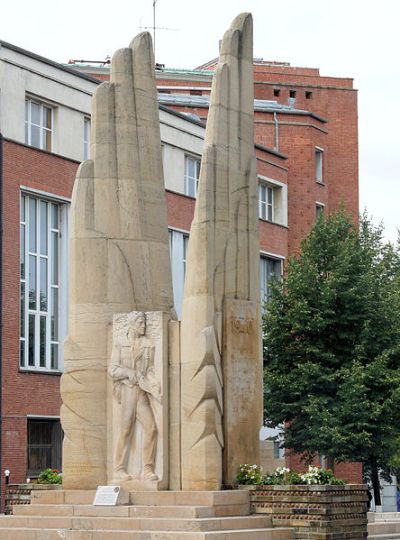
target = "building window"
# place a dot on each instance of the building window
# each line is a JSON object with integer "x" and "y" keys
{"x": 270, "y": 270}
{"x": 192, "y": 174}
{"x": 308, "y": 94}
{"x": 319, "y": 210}
{"x": 292, "y": 93}
{"x": 178, "y": 242}
{"x": 42, "y": 310}
{"x": 86, "y": 138}
{"x": 277, "y": 92}
{"x": 44, "y": 445}
{"x": 38, "y": 124}
{"x": 319, "y": 154}
{"x": 266, "y": 202}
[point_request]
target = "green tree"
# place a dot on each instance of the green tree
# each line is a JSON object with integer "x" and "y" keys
{"x": 332, "y": 347}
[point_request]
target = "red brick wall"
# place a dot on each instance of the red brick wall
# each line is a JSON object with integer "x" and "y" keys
{"x": 350, "y": 472}
{"x": 24, "y": 393}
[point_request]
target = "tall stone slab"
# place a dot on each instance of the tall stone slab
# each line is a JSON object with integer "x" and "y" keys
{"x": 119, "y": 252}
{"x": 221, "y": 368}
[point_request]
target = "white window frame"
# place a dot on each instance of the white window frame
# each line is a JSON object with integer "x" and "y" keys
{"x": 54, "y": 289}
{"x": 192, "y": 182}
{"x": 178, "y": 241}
{"x": 264, "y": 283}
{"x": 319, "y": 165}
{"x": 86, "y": 137}
{"x": 43, "y": 130}
{"x": 266, "y": 204}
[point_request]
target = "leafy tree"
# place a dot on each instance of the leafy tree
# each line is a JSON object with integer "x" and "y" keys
{"x": 332, "y": 347}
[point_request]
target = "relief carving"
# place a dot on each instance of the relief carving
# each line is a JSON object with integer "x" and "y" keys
{"x": 242, "y": 325}
{"x": 135, "y": 388}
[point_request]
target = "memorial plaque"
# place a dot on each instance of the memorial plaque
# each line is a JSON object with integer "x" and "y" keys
{"x": 106, "y": 496}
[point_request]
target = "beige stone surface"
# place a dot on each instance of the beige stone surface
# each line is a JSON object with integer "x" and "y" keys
{"x": 222, "y": 265}
{"x": 138, "y": 401}
{"x": 119, "y": 252}
{"x": 174, "y": 405}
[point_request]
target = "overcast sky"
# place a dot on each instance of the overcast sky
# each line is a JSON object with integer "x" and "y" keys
{"x": 345, "y": 38}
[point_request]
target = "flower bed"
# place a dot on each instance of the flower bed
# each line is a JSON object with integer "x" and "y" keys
{"x": 315, "y": 503}
{"x": 323, "y": 512}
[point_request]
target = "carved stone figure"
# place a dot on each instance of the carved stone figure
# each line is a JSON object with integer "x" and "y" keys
{"x": 134, "y": 383}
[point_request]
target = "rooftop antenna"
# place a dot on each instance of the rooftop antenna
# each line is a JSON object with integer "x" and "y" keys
{"x": 154, "y": 27}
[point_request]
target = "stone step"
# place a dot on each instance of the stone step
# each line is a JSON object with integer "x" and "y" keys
{"x": 60, "y": 534}
{"x": 154, "y": 498}
{"x": 386, "y": 516}
{"x": 384, "y": 527}
{"x": 393, "y": 536}
{"x": 134, "y": 523}
{"x": 125, "y": 511}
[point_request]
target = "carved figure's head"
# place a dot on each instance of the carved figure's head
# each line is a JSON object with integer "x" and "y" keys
{"x": 137, "y": 326}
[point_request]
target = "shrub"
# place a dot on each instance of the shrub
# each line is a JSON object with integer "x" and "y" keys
{"x": 49, "y": 476}
{"x": 251, "y": 475}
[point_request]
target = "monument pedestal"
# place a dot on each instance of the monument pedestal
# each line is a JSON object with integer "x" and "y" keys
{"x": 162, "y": 515}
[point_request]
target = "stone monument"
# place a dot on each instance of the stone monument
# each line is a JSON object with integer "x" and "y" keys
{"x": 220, "y": 335}
{"x": 147, "y": 403}
{"x": 119, "y": 259}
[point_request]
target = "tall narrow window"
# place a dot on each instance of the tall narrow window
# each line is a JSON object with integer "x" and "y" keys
{"x": 266, "y": 202}
{"x": 38, "y": 124}
{"x": 319, "y": 173}
{"x": 270, "y": 270}
{"x": 40, "y": 266}
{"x": 86, "y": 138}
{"x": 178, "y": 250}
{"x": 192, "y": 174}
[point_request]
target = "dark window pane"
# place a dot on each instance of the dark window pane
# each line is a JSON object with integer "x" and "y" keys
{"x": 32, "y": 282}
{"x": 22, "y": 250}
{"x": 44, "y": 445}
{"x": 43, "y": 284}
{"x": 22, "y": 209}
{"x": 42, "y": 341}
{"x": 22, "y": 314}
{"x": 54, "y": 356}
{"x": 31, "y": 337}
{"x": 22, "y": 353}
{"x": 54, "y": 314}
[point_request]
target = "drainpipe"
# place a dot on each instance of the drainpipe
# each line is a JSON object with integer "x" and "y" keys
{"x": 276, "y": 132}
{"x": 1, "y": 312}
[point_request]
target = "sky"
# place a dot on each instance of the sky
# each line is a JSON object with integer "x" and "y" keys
{"x": 344, "y": 38}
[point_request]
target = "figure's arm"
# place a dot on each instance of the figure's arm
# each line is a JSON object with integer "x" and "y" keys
{"x": 116, "y": 371}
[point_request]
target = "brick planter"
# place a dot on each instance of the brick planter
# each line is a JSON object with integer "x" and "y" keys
{"x": 316, "y": 512}
{"x": 21, "y": 493}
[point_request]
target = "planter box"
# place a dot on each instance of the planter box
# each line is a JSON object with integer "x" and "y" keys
{"x": 316, "y": 512}
{"x": 21, "y": 493}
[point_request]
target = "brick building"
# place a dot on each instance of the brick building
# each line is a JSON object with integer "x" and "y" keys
{"x": 306, "y": 150}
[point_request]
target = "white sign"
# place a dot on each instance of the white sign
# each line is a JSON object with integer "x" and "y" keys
{"x": 106, "y": 495}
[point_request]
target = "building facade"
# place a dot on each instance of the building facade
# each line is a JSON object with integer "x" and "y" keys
{"x": 306, "y": 152}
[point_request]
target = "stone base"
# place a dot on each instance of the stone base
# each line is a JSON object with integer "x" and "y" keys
{"x": 136, "y": 484}
{"x": 162, "y": 515}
